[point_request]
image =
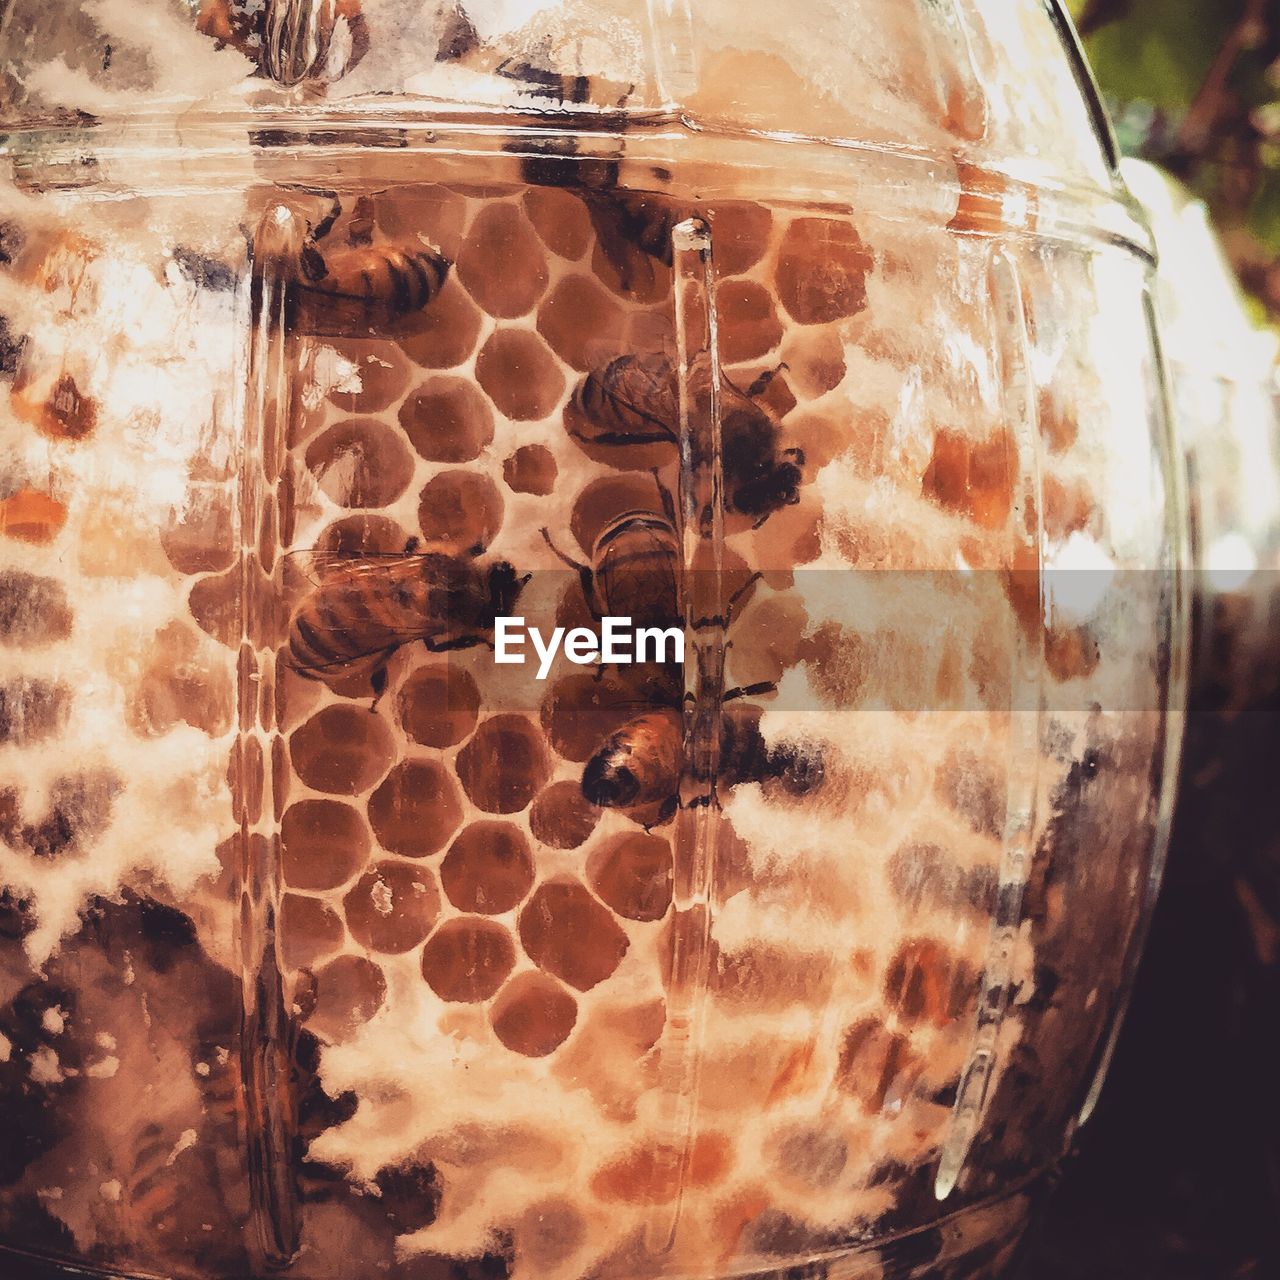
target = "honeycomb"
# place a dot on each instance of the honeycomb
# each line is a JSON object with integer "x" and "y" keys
{"x": 531, "y": 1037}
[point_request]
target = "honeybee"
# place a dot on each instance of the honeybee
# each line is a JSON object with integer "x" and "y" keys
{"x": 634, "y": 230}
{"x": 362, "y": 287}
{"x": 635, "y": 568}
{"x": 365, "y": 607}
{"x": 634, "y": 400}
{"x": 640, "y": 764}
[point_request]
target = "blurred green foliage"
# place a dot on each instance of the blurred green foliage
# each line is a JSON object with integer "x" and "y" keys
{"x": 1194, "y": 85}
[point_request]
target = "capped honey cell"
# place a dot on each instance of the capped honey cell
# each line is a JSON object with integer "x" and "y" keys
{"x": 32, "y": 710}
{"x": 309, "y": 930}
{"x": 488, "y": 869}
{"x": 200, "y": 538}
{"x": 467, "y": 959}
{"x": 428, "y": 212}
{"x": 632, "y": 271}
{"x": 32, "y": 516}
{"x": 379, "y": 377}
{"x": 749, "y": 325}
{"x": 560, "y": 219}
{"x": 504, "y": 765}
{"x": 184, "y": 692}
{"x": 33, "y": 610}
{"x": 392, "y": 907}
{"x": 566, "y": 932}
{"x": 215, "y": 605}
{"x": 653, "y": 1175}
{"x": 877, "y": 1066}
{"x": 416, "y": 808}
{"x": 740, "y": 231}
{"x": 582, "y": 322}
{"x": 973, "y": 478}
{"x": 973, "y": 787}
{"x": 363, "y": 535}
{"x": 342, "y": 750}
{"x": 80, "y": 807}
{"x": 533, "y": 1015}
{"x": 925, "y": 983}
{"x": 447, "y": 420}
{"x": 323, "y": 844}
{"x": 438, "y": 705}
{"x": 66, "y": 413}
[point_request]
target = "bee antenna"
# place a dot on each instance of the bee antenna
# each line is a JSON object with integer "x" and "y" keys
{"x": 560, "y": 555}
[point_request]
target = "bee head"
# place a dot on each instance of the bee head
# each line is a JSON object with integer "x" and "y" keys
{"x": 504, "y": 588}
{"x": 609, "y": 784}
{"x": 778, "y": 487}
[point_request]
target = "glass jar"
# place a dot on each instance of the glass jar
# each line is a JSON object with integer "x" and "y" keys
{"x": 339, "y": 330}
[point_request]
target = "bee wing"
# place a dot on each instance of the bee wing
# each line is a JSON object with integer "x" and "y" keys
{"x": 323, "y": 568}
{"x": 640, "y": 331}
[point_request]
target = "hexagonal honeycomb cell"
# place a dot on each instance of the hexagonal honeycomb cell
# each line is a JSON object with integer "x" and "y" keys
{"x": 323, "y": 843}
{"x": 504, "y": 765}
{"x": 467, "y": 959}
{"x": 341, "y": 750}
{"x": 489, "y": 868}
{"x": 349, "y": 990}
{"x": 447, "y": 420}
{"x": 572, "y": 936}
{"x": 533, "y": 1015}
{"x": 519, "y": 374}
{"x": 461, "y": 509}
{"x": 562, "y": 817}
{"x": 438, "y": 705}
{"x": 632, "y": 875}
{"x": 415, "y": 809}
{"x": 392, "y": 907}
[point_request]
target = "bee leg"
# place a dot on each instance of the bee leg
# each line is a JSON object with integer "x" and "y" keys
{"x": 668, "y": 502}
{"x": 761, "y": 384}
{"x": 750, "y": 690}
{"x": 665, "y": 813}
{"x": 461, "y": 642}
{"x": 737, "y": 596}
{"x": 325, "y": 225}
{"x": 378, "y": 682}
